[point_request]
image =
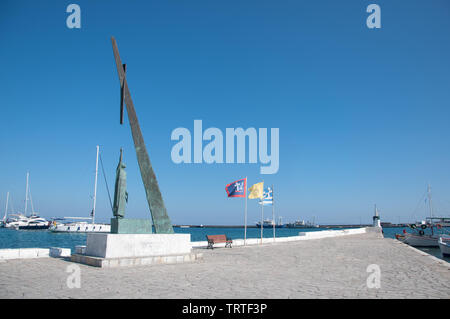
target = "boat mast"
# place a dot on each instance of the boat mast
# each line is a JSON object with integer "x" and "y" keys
{"x": 31, "y": 202}
{"x": 430, "y": 201}
{"x": 26, "y": 195}
{"x": 95, "y": 187}
{"x": 6, "y": 208}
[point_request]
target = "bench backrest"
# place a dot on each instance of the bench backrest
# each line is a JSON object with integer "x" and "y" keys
{"x": 217, "y": 238}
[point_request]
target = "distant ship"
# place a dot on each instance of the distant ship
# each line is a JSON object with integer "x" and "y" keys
{"x": 268, "y": 223}
{"x": 301, "y": 224}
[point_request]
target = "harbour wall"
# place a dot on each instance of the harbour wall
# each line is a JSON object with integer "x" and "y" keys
{"x": 301, "y": 236}
{"x": 24, "y": 253}
{"x": 28, "y": 253}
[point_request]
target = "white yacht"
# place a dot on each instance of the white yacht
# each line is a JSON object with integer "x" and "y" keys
{"x": 31, "y": 222}
{"x": 21, "y": 221}
{"x": 82, "y": 226}
{"x": 79, "y": 227}
{"x": 16, "y": 220}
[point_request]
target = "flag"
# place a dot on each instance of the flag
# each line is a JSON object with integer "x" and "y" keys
{"x": 267, "y": 199}
{"x": 256, "y": 191}
{"x": 237, "y": 188}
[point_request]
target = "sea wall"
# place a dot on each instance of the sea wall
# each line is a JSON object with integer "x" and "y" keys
{"x": 24, "y": 253}
{"x": 301, "y": 236}
{"x": 28, "y": 253}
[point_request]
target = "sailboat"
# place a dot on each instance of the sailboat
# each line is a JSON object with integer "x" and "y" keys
{"x": 21, "y": 221}
{"x": 83, "y": 226}
{"x": 418, "y": 237}
{"x": 3, "y": 221}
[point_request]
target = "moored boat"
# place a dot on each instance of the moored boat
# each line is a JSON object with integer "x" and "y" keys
{"x": 444, "y": 245}
{"x": 82, "y": 226}
{"x": 424, "y": 234}
{"x": 79, "y": 227}
{"x": 417, "y": 240}
{"x": 16, "y": 220}
{"x": 35, "y": 222}
{"x": 23, "y": 222}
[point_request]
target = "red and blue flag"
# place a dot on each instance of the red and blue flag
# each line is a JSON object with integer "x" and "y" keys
{"x": 237, "y": 188}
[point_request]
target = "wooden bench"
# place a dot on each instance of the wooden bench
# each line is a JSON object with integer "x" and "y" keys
{"x": 217, "y": 239}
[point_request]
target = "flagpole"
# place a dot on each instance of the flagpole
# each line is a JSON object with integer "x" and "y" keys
{"x": 245, "y": 213}
{"x": 262, "y": 221}
{"x": 262, "y": 214}
{"x": 273, "y": 216}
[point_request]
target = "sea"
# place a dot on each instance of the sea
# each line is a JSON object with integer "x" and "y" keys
{"x": 10, "y": 238}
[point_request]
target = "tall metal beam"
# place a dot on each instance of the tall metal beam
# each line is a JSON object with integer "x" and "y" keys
{"x": 161, "y": 220}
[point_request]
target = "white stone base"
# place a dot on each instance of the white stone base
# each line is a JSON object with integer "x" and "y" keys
{"x": 135, "y": 261}
{"x": 24, "y": 253}
{"x": 136, "y": 245}
{"x": 57, "y": 252}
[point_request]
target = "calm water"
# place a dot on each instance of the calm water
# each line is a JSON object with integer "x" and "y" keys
{"x": 10, "y": 238}
{"x": 45, "y": 239}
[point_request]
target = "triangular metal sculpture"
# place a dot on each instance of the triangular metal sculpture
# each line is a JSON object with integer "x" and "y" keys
{"x": 161, "y": 220}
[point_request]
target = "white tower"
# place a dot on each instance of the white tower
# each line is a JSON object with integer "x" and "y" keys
{"x": 376, "y": 218}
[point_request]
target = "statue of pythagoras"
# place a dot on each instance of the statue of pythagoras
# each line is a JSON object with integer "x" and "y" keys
{"x": 120, "y": 190}
{"x": 160, "y": 218}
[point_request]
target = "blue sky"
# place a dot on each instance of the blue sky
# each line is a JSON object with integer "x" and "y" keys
{"x": 363, "y": 113}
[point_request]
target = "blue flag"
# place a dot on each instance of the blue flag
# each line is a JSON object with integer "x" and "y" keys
{"x": 267, "y": 199}
{"x": 237, "y": 188}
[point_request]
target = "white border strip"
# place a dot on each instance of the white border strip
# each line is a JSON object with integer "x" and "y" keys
{"x": 24, "y": 253}
{"x": 301, "y": 236}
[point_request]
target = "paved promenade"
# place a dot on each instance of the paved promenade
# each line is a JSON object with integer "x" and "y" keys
{"x": 321, "y": 268}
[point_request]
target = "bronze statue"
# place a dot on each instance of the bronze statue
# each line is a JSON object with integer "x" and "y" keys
{"x": 120, "y": 190}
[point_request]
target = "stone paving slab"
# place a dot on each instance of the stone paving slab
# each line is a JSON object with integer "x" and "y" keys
{"x": 134, "y": 261}
{"x": 322, "y": 268}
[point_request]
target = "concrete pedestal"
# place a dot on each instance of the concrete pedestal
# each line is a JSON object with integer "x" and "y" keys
{"x": 112, "y": 250}
{"x": 137, "y": 245}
